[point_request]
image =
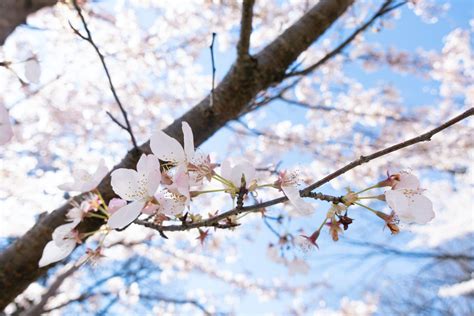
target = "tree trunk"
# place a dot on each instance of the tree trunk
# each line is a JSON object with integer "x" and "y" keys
{"x": 19, "y": 262}
{"x": 14, "y": 13}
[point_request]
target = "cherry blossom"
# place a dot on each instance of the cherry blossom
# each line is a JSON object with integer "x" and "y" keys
{"x": 406, "y": 199}
{"x": 6, "y": 131}
{"x": 64, "y": 241}
{"x": 137, "y": 186}
{"x": 233, "y": 173}
{"x": 167, "y": 148}
{"x": 85, "y": 181}
{"x": 115, "y": 204}
{"x": 288, "y": 184}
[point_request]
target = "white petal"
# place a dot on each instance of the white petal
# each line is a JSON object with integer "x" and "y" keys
{"x": 148, "y": 169}
{"x": 6, "y": 131}
{"x": 172, "y": 206}
{"x": 410, "y": 206}
{"x": 302, "y": 207}
{"x": 63, "y": 233}
{"x": 99, "y": 174}
{"x": 125, "y": 183}
{"x": 54, "y": 253}
{"x": 244, "y": 168}
{"x": 407, "y": 181}
{"x": 226, "y": 169}
{"x": 125, "y": 215}
{"x": 166, "y": 148}
{"x": 188, "y": 141}
{"x": 32, "y": 70}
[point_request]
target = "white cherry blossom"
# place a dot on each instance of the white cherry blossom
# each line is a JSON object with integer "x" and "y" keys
{"x": 85, "y": 181}
{"x": 406, "y": 199}
{"x": 233, "y": 172}
{"x": 6, "y": 131}
{"x": 137, "y": 186}
{"x": 167, "y": 148}
{"x": 64, "y": 241}
{"x": 288, "y": 184}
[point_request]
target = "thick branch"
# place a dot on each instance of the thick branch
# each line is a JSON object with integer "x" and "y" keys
{"x": 19, "y": 262}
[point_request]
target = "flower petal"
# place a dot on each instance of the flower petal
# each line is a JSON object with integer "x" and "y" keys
{"x": 115, "y": 204}
{"x": 244, "y": 168}
{"x": 63, "y": 233}
{"x": 54, "y": 253}
{"x": 171, "y": 205}
{"x": 188, "y": 141}
{"x": 410, "y": 206}
{"x": 148, "y": 169}
{"x": 98, "y": 175}
{"x": 302, "y": 207}
{"x": 166, "y": 148}
{"x": 407, "y": 181}
{"x": 125, "y": 183}
{"x": 127, "y": 214}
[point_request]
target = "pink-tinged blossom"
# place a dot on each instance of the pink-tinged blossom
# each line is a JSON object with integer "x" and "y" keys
{"x": 167, "y": 148}
{"x": 233, "y": 173}
{"x": 6, "y": 131}
{"x": 406, "y": 199}
{"x": 115, "y": 204}
{"x": 180, "y": 182}
{"x": 84, "y": 181}
{"x": 288, "y": 184}
{"x": 137, "y": 186}
{"x": 65, "y": 238}
{"x": 166, "y": 203}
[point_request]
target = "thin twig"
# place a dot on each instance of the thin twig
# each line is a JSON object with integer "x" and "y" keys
{"x": 384, "y": 9}
{"x": 306, "y": 192}
{"x": 89, "y": 39}
{"x": 243, "y": 45}
{"x": 211, "y": 48}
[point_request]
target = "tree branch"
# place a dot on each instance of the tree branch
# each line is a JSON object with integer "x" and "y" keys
{"x": 88, "y": 38}
{"x": 243, "y": 45}
{"x": 306, "y": 192}
{"x": 384, "y": 9}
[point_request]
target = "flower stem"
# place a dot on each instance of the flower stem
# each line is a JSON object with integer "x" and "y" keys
{"x": 367, "y": 189}
{"x": 375, "y": 197}
{"x": 365, "y": 206}
{"x": 97, "y": 215}
{"x": 208, "y": 191}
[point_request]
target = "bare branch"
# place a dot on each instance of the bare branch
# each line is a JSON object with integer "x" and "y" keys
{"x": 384, "y": 9}
{"x": 211, "y": 48}
{"x": 245, "y": 29}
{"x": 38, "y": 309}
{"x": 88, "y": 38}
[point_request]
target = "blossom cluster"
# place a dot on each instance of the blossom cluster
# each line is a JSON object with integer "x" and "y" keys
{"x": 165, "y": 182}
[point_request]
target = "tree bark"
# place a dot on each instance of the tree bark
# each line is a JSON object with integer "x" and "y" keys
{"x": 247, "y": 77}
{"x": 14, "y": 13}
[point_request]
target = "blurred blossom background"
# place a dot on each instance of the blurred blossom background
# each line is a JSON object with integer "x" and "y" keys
{"x": 410, "y": 71}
